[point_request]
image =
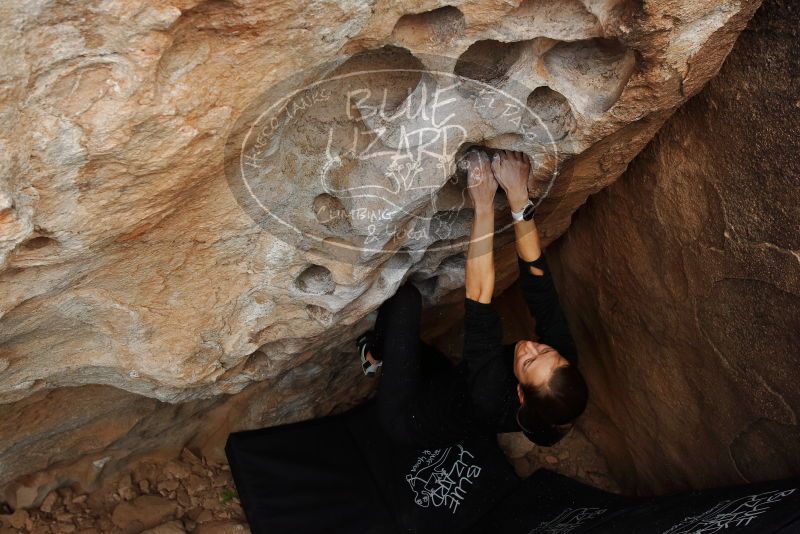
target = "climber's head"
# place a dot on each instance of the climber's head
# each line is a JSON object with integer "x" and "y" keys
{"x": 551, "y": 389}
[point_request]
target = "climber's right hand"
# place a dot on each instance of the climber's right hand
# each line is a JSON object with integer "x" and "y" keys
{"x": 511, "y": 169}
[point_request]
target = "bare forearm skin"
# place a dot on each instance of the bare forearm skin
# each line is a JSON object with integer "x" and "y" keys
{"x": 529, "y": 246}
{"x": 480, "y": 257}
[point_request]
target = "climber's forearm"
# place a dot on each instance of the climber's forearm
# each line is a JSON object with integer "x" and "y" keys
{"x": 529, "y": 247}
{"x": 480, "y": 257}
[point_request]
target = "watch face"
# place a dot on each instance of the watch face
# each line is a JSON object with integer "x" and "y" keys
{"x": 527, "y": 214}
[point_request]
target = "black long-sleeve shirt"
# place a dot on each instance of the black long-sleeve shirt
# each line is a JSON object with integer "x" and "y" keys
{"x": 488, "y": 364}
{"x": 480, "y": 397}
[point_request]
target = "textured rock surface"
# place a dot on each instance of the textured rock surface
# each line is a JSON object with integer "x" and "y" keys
{"x": 130, "y": 276}
{"x": 683, "y": 282}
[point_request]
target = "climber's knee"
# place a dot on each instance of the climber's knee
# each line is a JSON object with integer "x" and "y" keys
{"x": 408, "y": 293}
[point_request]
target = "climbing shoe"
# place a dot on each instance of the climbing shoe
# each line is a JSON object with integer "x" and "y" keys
{"x": 365, "y": 345}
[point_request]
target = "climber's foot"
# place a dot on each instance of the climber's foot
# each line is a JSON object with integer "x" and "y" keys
{"x": 369, "y": 364}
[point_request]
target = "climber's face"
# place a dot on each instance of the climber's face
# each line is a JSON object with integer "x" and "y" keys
{"x": 534, "y": 363}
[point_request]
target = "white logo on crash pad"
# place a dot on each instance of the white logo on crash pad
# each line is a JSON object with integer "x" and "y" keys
{"x": 730, "y": 513}
{"x": 441, "y": 478}
{"x": 568, "y": 520}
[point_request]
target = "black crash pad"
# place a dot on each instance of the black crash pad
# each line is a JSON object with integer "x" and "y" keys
{"x": 549, "y": 503}
{"x": 305, "y": 477}
{"x": 341, "y": 474}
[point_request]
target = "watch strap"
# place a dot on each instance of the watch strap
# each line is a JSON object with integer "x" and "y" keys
{"x": 525, "y": 214}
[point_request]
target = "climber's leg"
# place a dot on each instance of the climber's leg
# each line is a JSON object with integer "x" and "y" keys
{"x": 398, "y": 345}
{"x": 370, "y": 343}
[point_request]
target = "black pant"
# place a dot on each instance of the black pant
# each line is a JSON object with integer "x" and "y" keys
{"x": 411, "y": 368}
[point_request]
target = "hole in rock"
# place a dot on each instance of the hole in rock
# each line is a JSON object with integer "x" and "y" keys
{"x": 7, "y": 213}
{"x": 488, "y": 61}
{"x": 554, "y": 112}
{"x": 331, "y": 213}
{"x": 376, "y": 89}
{"x": 316, "y": 280}
{"x": 38, "y": 242}
{"x": 590, "y": 73}
{"x": 256, "y": 361}
{"x": 555, "y": 19}
{"x": 385, "y": 92}
{"x": 429, "y": 28}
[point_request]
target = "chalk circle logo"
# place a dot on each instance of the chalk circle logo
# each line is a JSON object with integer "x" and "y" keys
{"x": 365, "y": 156}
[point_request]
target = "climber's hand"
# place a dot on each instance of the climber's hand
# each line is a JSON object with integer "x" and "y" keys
{"x": 480, "y": 180}
{"x": 511, "y": 169}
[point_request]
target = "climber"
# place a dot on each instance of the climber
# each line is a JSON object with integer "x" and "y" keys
{"x": 529, "y": 386}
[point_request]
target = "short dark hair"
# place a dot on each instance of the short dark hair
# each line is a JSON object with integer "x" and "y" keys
{"x": 560, "y": 401}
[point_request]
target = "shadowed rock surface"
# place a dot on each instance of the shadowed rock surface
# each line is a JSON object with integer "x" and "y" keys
{"x": 682, "y": 282}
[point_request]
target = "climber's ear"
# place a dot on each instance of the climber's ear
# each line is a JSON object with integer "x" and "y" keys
{"x": 520, "y": 395}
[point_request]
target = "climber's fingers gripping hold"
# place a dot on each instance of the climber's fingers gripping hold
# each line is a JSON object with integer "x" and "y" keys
{"x": 511, "y": 169}
{"x": 480, "y": 180}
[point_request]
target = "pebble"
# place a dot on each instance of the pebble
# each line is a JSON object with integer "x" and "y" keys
{"x": 147, "y": 511}
{"x": 48, "y": 502}
{"x": 18, "y": 518}
{"x": 26, "y": 496}
{"x": 63, "y": 517}
{"x": 174, "y": 469}
{"x": 190, "y": 457}
{"x": 204, "y": 517}
{"x": 168, "y": 485}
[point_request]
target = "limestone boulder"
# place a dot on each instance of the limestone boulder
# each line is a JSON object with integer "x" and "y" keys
{"x": 133, "y": 264}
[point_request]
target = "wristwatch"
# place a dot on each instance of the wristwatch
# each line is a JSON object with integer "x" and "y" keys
{"x": 526, "y": 213}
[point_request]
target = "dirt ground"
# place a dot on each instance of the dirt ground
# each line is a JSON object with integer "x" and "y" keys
{"x": 187, "y": 494}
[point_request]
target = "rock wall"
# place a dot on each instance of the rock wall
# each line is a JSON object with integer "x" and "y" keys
{"x": 138, "y": 292}
{"x": 682, "y": 280}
